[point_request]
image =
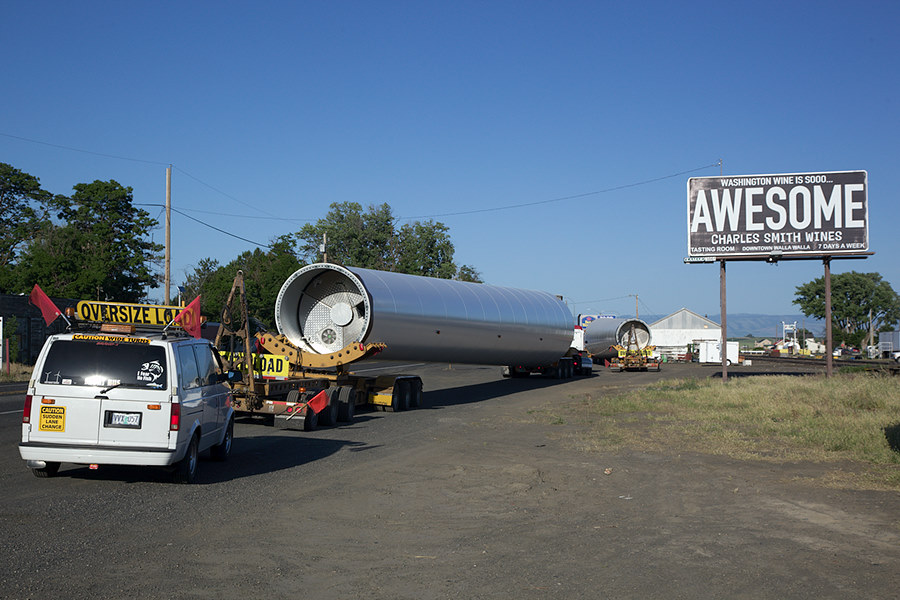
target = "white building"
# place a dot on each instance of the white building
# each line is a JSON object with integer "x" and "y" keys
{"x": 671, "y": 335}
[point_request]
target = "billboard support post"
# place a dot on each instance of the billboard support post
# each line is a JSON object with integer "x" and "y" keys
{"x": 724, "y": 321}
{"x": 829, "y": 345}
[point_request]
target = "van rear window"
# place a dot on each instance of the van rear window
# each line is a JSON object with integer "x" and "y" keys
{"x": 102, "y": 364}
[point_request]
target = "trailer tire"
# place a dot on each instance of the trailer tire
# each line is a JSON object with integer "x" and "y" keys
{"x": 346, "y": 403}
{"x": 415, "y": 393}
{"x": 400, "y": 396}
{"x": 310, "y": 420}
{"x": 329, "y": 414}
{"x": 405, "y": 402}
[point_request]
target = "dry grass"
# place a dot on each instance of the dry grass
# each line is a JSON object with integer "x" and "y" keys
{"x": 853, "y": 417}
{"x": 17, "y": 372}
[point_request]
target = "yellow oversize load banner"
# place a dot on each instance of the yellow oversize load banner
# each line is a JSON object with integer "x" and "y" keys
{"x": 267, "y": 366}
{"x": 120, "y": 312}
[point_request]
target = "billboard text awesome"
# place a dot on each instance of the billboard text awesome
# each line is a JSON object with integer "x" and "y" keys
{"x": 789, "y": 214}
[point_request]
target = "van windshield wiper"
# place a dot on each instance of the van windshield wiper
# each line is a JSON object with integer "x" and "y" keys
{"x": 112, "y": 387}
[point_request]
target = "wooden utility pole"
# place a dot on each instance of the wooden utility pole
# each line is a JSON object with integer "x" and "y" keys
{"x": 168, "y": 231}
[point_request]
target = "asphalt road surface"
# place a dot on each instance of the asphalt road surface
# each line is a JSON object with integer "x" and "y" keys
{"x": 466, "y": 498}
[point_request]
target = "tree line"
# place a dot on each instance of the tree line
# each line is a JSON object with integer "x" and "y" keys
{"x": 95, "y": 244}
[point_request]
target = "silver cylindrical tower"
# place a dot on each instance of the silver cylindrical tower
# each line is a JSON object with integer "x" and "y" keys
{"x": 600, "y": 334}
{"x": 323, "y": 307}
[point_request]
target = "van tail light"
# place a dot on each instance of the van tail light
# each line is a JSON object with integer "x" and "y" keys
{"x": 175, "y": 416}
{"x": 26, "y": 411}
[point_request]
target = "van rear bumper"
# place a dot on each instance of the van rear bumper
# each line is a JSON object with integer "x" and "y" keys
{"x": 99, "y": 455}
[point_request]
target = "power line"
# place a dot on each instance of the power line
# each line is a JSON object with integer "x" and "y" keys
{"x": 149, "y": 162}
{"x": 227, "y": 195}
{"x": 560, "y": 199}
{"x": 221, "y": 214}
{"x": 182, "y": 213}
{"x": 25, "y": 139}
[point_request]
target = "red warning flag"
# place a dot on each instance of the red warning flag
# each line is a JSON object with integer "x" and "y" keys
{"x": 318, "y": 402}
{"x": 189, "y": 318}
{"x": 43, "y": 302}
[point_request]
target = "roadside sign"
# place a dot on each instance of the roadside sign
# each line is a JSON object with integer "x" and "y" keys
{"x": 788, "y": 214}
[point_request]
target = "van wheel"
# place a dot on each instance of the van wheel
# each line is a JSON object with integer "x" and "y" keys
{"x": 186, "y": 468}
{"x": 50, "y": 470}
{"x": 221, "y": 451}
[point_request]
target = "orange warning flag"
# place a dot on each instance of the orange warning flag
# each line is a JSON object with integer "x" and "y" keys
{"x": 318, "y": 402}
{"x": 189, "y": 318}
{"x": 43, "y": 302}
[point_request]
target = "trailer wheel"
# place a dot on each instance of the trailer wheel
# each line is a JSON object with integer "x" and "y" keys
{"x": 400, "y": 397}
{"x": 310, "y": 420}
{"x": 415, "y": 393}
{"x": 346, "y": 403}
{"x": 329, "y": 414}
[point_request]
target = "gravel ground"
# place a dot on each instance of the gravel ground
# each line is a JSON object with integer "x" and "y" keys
{"x": 467, "y": 498}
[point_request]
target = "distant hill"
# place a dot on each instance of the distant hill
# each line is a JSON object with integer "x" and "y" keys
{"x": 770, "y": 326}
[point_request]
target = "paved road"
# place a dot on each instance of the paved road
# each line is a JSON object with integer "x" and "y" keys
{"x": 467, "y": 498}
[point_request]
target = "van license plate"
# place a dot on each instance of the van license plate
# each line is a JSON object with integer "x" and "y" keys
{"x": 130, "y": 420}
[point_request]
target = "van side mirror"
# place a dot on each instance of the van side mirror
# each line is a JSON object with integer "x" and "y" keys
{"x": 234, "y": 377}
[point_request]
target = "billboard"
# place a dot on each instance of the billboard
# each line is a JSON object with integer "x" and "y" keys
{"x": 787, "y": 214}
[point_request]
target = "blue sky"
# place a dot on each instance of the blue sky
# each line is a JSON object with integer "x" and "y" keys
{"x": 586, "y": 117}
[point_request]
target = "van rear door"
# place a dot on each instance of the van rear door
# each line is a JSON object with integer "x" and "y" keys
{"x": 100, "y": 389}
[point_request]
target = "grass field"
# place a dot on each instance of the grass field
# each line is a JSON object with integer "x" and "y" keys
{"x": 852, "y": 420}
{"x": 17, "y": 372}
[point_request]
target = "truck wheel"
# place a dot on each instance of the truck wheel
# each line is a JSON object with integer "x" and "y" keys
{"x": 221, "y": 451}
{"x": 329, "y": 414}
{"x": 50, "y": 470}
{"x": 186, "y": 468}
{"x": 399, "y": 397}
{"x": 310, "y": 418}
{"x": 415, "y": 393}
{"x": 346, "y": 404}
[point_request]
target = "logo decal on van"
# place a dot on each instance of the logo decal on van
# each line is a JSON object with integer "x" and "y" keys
{"x": 150, "y": 371}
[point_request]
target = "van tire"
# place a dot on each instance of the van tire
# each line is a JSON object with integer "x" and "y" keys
{"x": 50, "y": 470}
{"x": 186, "y": 468}
{"x": 221, "y": 451}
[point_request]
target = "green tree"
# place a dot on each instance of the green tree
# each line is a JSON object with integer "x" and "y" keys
{"x": 468, "y": 273}
{"x": 10, "y": 329}
{"x": 354, "y": 238}
{"x": 23, "y": 212}
{"x": 99, "y": 251}
{"x": 264, "y": 274}
{"x": 425, "y": 249}
{"x": 371, "y": 240}
{"x": 853, "y": 296}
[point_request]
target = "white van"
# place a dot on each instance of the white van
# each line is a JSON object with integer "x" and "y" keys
{"x": 98, "y": 398}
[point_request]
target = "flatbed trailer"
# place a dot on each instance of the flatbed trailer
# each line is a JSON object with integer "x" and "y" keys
{"x": 635, "y": 360}
{"x": 280, "y": 380}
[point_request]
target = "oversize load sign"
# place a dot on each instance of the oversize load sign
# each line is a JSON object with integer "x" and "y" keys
{"x": 790, "y": 214}
{"x": 120, "y": 312}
